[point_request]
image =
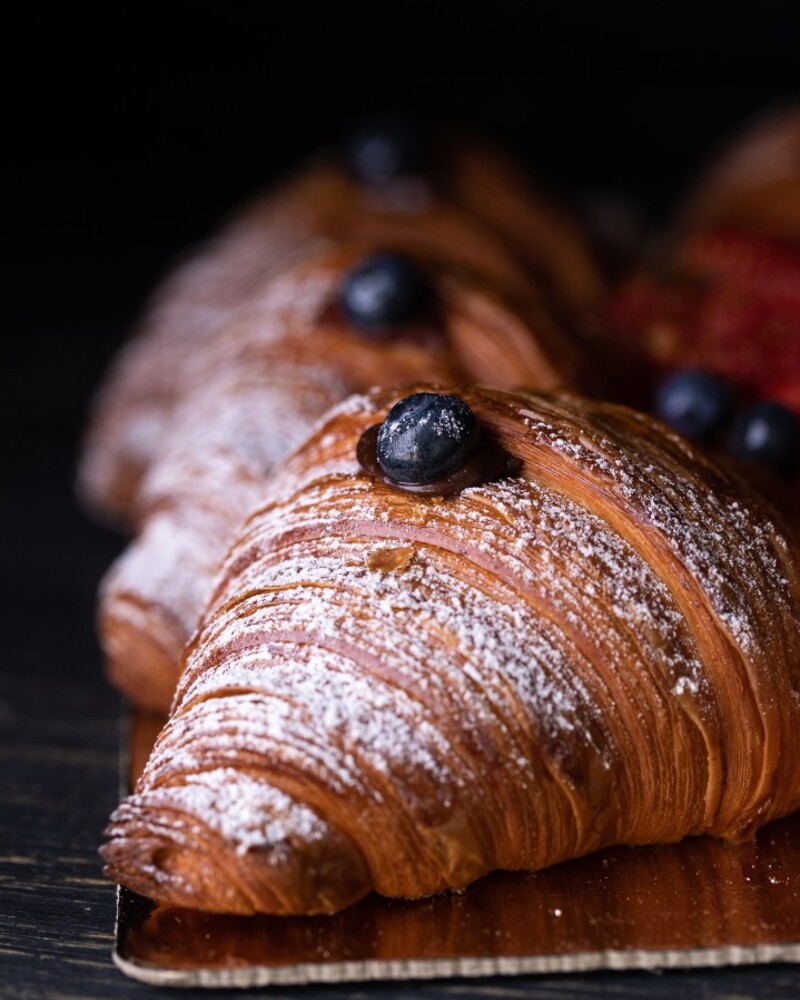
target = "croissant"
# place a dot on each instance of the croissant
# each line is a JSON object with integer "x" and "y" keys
{"x": 594, "y": 642}
{"x": 253, "y": 392}
{"x": 475, "y": 210}
{"x": 754, "y": 184}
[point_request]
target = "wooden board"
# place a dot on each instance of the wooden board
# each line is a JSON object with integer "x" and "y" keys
{"x": 697, "y": 903}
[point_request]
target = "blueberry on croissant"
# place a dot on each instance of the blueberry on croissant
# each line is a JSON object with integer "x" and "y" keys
{"x": 338, "y": 321}
{"x": 475, "y": 210}
{"x": 597, "y": 642}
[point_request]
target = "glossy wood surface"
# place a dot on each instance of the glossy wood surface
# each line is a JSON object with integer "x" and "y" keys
{"x": 699, "y": 902}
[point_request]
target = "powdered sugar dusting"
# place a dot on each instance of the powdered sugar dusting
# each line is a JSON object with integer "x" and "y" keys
{"x": 720, "y": 541}
{"x": 318, "y": 660}
{"x": 244, "y": 811}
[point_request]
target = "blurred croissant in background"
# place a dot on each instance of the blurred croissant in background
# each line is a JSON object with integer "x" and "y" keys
{"x": 354, "y": 274}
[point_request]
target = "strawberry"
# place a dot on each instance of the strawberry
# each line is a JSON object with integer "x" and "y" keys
{"x": 731, "y": 306}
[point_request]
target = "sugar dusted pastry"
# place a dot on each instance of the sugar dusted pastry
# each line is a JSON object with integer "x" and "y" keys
{"x": 489, "y": 630}
{"x": 468, "y": 206}
{"x": 337, "y": 321}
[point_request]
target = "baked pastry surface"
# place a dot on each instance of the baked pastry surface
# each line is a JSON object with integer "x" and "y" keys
{"x": 397, "y": 693}
{"x": 476, "y": 211}
{"x": 252, "y": 392}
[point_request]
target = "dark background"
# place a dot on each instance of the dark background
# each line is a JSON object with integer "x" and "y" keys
{"x": 127, "y": 134}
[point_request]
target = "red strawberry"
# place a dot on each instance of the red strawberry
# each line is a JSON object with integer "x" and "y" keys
{"x": 732, "y": 307}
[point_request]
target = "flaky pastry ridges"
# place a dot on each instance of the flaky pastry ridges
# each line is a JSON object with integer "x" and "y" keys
{"x": 249, "y": 395}
{"x": 594, "y": 725}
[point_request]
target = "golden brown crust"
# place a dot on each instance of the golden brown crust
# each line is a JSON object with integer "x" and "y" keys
{"x": 250, "y": 394}
{"x": 478, "y": 213}
{"x": 492, "y": 188}
{"x": 602, "y": 649}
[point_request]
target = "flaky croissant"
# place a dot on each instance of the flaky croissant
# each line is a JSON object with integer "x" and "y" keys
{"x": 475, "y": 210}
{"x": 253, "y": 392}
{"x": 400, "y": 693}
{"x": 754, "y": 184}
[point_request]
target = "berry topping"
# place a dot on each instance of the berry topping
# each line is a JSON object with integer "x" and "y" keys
{"x": 387, "y": 150}
{"x": 425, "y": 437}
{"x": 769, "y": 433}
{"x": 695, "y": 403}
{"x": 382, "y": 293}
{"x": 731, "y": 306}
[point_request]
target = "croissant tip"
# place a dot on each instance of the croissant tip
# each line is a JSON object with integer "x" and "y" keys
{"x": 177, "y": 844}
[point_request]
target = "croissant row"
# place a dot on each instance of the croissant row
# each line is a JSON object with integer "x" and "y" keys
{"x": 254, "y": 392}
{"x": 400, "y": 693}
{"x": 476, "y": 211}
{"x": 461, "y": 629}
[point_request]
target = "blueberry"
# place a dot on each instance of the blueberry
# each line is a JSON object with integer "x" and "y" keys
{"x": 769, "y": 433}
{"x": 425, "y": 437}
{"x": 387, "y": 149}
{"x": 382, "y": 293}
{"x": 695, "y": 403}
